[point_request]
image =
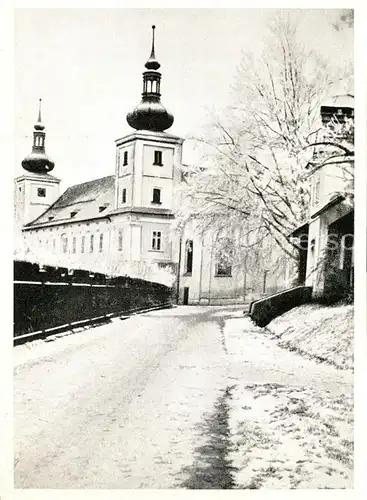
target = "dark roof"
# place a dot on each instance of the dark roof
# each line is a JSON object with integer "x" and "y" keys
{"x": 299, "y": 230}
{"x": 83, "y": 200}
{"x": 331, "y": 203}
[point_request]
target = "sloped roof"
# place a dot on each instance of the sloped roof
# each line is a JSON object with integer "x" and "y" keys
{"x": 339, "y": 101}
{"x": 84, "y": 199}
{"x": 334, "y": 199}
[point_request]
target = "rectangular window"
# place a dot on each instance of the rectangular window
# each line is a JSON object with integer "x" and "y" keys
{"x": 123, "y": 196}
{"x": 41, "y": 192}
{"x": 74, "y": 244}
{"x": 120, "y": 240}
{"x": 223, "y": 269}
{"x": 156, "y": 196}
{"x": 125, "y": 158}
{"x": 91, "y": 243}
{"x": 156, "y": 240}
{"x": 158, "y": 158}
{"x": 315, "y": 192}
{"x": 223, "y": 266}
{"x": 82, "y": 245}
{"x": 118, "y": 162}
{"x": 101, "y": 242}
{"x": 53, "y": 244}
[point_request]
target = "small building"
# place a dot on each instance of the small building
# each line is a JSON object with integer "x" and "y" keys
{"x": 326, "y": 240}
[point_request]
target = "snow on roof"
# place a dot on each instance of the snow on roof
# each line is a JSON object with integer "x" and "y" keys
{"x": 340, "y": 101}
{"x": 83, "y": 200}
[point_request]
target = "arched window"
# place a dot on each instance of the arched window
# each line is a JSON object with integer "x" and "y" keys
{"x": 64, "y": 243}
{"x": 346, "y": 262}
{"x": 189, "y": 253}
{"x": 158, "y": 158}
{"x": 346, "y": 251}
{"x": 120, "y": 236}
{"x": 224, "y": 257}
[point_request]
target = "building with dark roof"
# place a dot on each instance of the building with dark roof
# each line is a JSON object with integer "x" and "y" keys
{"x": 122, "y": 223}
{"x": 326, "y": 239}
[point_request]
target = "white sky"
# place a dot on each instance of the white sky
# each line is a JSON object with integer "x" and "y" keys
{"x": 87, "y": 64}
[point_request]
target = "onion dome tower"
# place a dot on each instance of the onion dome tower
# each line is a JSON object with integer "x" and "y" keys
{"x": 150, "y": 114}
{"x": 38, "y": 162}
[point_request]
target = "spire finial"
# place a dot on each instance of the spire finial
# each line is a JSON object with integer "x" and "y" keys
{"x": 39, "y": 111}
{"x": 152, "y": 62}
{"x": 153, "y": 52}
{"x": 39, "y": 125}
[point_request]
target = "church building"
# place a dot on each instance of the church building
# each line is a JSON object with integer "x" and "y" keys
{"x": 126, "y": 217}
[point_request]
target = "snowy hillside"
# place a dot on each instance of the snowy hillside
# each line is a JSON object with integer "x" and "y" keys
{"x": 323, "y": 333}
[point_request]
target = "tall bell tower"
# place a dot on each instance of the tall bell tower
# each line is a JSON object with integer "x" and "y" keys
{"x": 36, "y": 189}
{"x": 148, "y": 167}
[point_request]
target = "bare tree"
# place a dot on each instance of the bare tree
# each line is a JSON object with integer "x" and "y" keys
{"x": 254, "y": 169}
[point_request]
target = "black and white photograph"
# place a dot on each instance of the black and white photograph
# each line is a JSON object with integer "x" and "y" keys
{"x": 183, "y": 251}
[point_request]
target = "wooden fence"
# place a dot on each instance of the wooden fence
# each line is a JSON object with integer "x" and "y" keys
{"x": 47, "y": 298}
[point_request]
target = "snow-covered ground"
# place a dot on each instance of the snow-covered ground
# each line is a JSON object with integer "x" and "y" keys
{"x": 291, "y": 418}
{"x": 117, "y": 406}
{"x": 191, "y": 397}
{"x": 321, "y": 332}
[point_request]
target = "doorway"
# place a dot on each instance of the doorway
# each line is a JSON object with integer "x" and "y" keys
{"x": 186, "y": 296}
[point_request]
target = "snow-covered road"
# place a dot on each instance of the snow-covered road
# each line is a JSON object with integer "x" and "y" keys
{"x": 117, "y": 406}
{"x": 190, "y": 397}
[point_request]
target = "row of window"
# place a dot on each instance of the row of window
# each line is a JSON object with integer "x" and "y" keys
{"x": 156, "y": 196}
{"x": 65, "y": 243}
{"x": 158, "y": 158}
{"x": 90, "y": 243}
{"x": 221, "y": 268}
{"x": 156, "y": 242}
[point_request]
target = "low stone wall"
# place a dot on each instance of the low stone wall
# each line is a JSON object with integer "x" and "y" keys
{"x": 264, "y": 310}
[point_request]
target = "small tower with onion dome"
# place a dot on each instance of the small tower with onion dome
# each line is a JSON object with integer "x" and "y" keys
{"x": 36, "y": 189}
{"x": 150, "y": 114}
{"x": 148, "y": 167}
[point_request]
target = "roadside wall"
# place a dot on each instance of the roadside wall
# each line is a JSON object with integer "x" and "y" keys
{"x": 50, "y": 297}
